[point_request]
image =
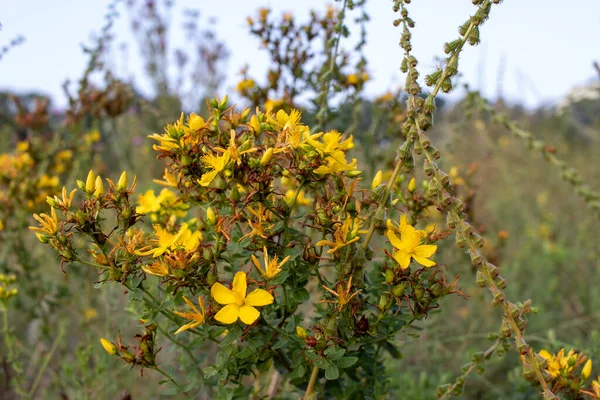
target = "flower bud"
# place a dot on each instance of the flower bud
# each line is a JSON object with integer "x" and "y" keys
{"x": 122, "y": 184}
{"x": 210, "y": 216}
{"x": 399, "y": 289}
{"x": 266, "y": 157}
{"x": 377, "y": 179}
{"x": 412, "y": 185}
{"x": 43, "y": 238}
{"x": 389, "y": 276}
{"x": 211, "y": 278}
{"x": 52, "y": 202}
{"x": 99, "y": 187}
{"x": 587, "y": 369}
{"x": 301, "y": 332}
{"x": 383, "y": 302}
{"x": 108, "y": 346}
{"x": 90, "y": 183}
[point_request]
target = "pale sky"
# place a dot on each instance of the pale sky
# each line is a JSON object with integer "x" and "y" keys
{"x": 547, "y": 46}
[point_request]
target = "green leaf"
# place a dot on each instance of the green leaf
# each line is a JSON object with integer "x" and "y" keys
{"x": 209, "y": 372}
{"x": 297, "y": 373}
{"x": 300, "y": 295}
{"x": 334, "y": 353}
{"x": 278, "y": 344}
{"x": 346, "y": 362}
{"x": 234, "y": 334}
{"x": 224, "y": 393}
{"x": 245, "y": 353}
{"x": 280, "y": 278}
{"x": 332, "y": 372}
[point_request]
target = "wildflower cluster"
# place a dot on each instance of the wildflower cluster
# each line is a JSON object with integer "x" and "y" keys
{"x": 258, "y": 186}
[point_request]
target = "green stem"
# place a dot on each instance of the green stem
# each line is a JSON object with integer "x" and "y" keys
{"x": 163, "y": 373}
{"x": 311, "y": 383}
{"x": 47, "y": 359}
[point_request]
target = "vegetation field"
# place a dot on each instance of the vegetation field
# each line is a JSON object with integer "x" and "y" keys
{"x": 295, "y": 238}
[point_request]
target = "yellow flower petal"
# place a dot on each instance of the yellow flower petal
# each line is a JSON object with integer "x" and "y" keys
{"x": 425, "y": 250}
{"x": 394, "y": 240}
{"x": 228, "y": 314}
{"x": 424, "y": 261}
{"x": 248, "y": 314}
{"x": 402, "y": 258}
{"x": 185, "y": 327}
{"x": 239, "y": 284}
{"x": 259, "y": 297}
{"x": 221, "y": 294}
{"x": 208, "y": 177}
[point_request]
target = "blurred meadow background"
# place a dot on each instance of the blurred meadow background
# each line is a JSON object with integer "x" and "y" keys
{"x": 82, "y": 85}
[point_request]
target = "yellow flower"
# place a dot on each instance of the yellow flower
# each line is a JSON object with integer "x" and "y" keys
{"x": 261, "y": 222}
{"x": 148, "y": 202}
{"x": 331, "y": 143}
{"x": 169, "y": 179}
{"x": 454, "y": 176}
{"x": 216, "y": 163}
{"x": 336, "y": 163}
{"x": 66, "y": 199}
{"x": 22, "y": 146}
{"x": 343, "y": 235}
{"x": 301, "y": 199}
{"x": 90, "y": 313}
{"x": 409, "y": 246}
{"x": 233, "y": 150}
{"x": 245, "y": 85}
{"x": 343, "y": 294}
{"x": 271, "y": 104}
{"x": 272, "y": 268}
{"x": 197, "y": 317}
{"x": 596, "y": 387}
{"x": 237, "y": 303}
{"x": 560, "y": 364}
{"x": 108, "y": 346}
{"x": 166, "y": 242}
{"x": 156, "y": 268}
{"x": 49, "y": 223}
{"x": 46, "y": 181}
{"x": 194, "y": 123}
{"x": 352, "y": 79}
